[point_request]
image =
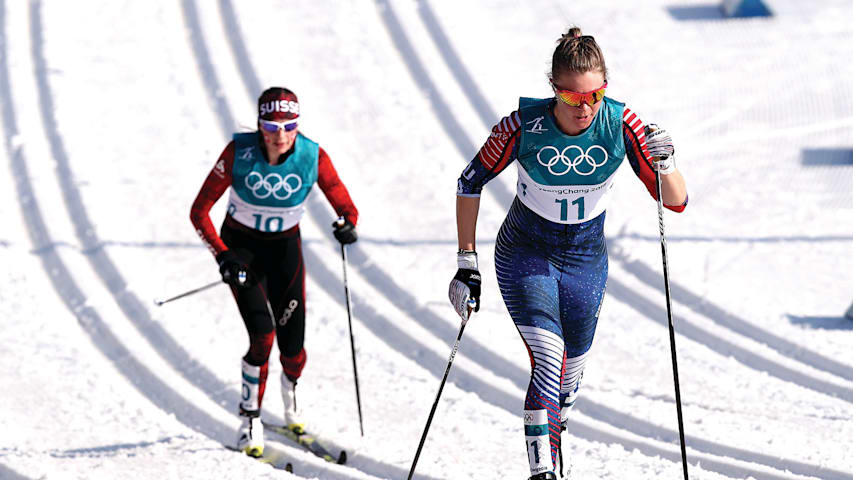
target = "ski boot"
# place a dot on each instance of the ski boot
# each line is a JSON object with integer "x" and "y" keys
{"x": 544, "y": 476}
{"x": 291, "y": 413}
{"x": 250, "y": 439}
{"x": 565, "y": 463}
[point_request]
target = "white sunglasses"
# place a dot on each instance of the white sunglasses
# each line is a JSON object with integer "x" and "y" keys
{"x": 273, "y": 127}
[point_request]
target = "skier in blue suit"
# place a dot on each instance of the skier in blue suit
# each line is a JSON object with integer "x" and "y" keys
{"x": 551, "y": 255}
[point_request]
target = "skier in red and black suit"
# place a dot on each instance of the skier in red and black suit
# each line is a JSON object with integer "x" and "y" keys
{"x": 259, "y": 251}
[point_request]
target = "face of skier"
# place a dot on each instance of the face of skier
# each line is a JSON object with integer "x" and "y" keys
{"x": 279, "y": 141}
{"x": 575, "y": 119}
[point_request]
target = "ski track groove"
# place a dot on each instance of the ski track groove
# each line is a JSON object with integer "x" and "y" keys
{"x": 472, "y": 92}
{"x": 158, "y": 393}
{"x": 600, "y": 412}
{"x": 737, "y": 324}
{"x": 427, "y": 88}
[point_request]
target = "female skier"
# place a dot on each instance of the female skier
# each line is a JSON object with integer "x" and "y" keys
{"x": 270, "y": 172}
{"x": 550, "y": 255}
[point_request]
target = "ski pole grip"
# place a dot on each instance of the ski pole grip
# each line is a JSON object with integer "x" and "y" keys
{"x": 340, "y": 221}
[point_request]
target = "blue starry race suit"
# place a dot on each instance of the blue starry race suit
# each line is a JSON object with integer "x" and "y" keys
{"x": 550, "y": 255}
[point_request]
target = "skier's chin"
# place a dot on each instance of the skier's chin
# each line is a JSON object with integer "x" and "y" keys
{"x": 280, "y": 148}
{"x": 583, "y": 121}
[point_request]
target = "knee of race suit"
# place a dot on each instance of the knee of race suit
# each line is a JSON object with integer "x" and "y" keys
{"x": 293, "y": 366}
{"x": 260, "y": 346}
{"x": 571, "y": 382}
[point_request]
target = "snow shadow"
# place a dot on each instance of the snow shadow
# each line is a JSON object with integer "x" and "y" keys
{"x": 833, "y": 157}
{"x": 822, "y": 323}
{"x": 118, "y": 447}
{"x": 9, "y": 474}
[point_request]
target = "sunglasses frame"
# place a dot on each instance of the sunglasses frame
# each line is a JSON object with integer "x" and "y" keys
{"x": 287, "y": 126}
{"x": 584, "y": 97}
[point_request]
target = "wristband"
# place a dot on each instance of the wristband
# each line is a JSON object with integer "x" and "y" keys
{"x": 466, "y": 259}
{"x": 666, "y": 165}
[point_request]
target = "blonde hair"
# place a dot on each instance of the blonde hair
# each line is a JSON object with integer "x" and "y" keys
{"x": 577, "y": 53}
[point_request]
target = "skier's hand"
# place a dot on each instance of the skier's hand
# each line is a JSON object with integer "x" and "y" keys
{"x": 344, "y": 231}
{"x": 660, "y": 146}
{"x": 234, "y": 270}
{"x": 464, "y": 292}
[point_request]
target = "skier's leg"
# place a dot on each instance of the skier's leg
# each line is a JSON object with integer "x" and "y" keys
{"x": 529, "y": 289}
{"x": 287, "y": 287}
{"x": 252, "y": 304}
{"x": 258, "y": 324}
{"x": 541, "y": 411}
{"x": 582, "y": 285}
{"x": 579, "y": 318}
{"x": 250, "y": 437}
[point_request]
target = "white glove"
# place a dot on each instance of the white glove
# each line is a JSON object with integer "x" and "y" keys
{"x": 660, "y": 146}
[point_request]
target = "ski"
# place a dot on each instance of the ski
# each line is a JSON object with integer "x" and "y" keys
{"x": 271, "y": 457}
{"x": 309, "y": 442}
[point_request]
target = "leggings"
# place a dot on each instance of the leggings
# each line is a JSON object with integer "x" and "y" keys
{"x": 552, "y": 278}
{"x": 276, "y": 263}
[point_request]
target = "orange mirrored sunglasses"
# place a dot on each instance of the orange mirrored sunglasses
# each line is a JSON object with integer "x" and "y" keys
{"x": 576, "y": 99}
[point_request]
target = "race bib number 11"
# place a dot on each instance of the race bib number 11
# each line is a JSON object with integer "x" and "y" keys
{"x": 564, "y": 208}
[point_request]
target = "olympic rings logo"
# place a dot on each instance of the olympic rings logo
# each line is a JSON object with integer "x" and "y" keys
{"x": 272, "y": 184}
{"x": 582, "y": 157}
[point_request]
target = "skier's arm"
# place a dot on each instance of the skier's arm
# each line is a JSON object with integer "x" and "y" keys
{"x": 467, "y": 209}
{"x": 218, "y": 180}
{"x": 493, "y": 158}
{"x": 673, "y": 188}
{"x": 334, "y": 190}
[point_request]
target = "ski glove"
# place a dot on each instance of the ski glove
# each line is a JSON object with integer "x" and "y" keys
{"x": 234, "y": 270}
{"x": 464, "y": 292}
{"x": 661, "y": 148}
{"x": 344, "y": 231}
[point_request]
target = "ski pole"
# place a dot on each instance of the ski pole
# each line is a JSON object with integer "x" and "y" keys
{"x": 351, "y": 337}
{"x": 671, "y": 325}
{"x": 438, "y": 395}
{"x": 186, "y": 294}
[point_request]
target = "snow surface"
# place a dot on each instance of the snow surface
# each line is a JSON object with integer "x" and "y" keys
{"x": 114, "y": 111}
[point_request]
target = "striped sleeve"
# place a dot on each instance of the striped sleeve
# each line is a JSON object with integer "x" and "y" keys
{"x": 493, "y": 158}
{"x": 634, "y": 131}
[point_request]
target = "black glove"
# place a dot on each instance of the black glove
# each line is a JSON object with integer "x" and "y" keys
{"x": 464, "y": 291}
{"x": 345, "y": 231}
{"x": 234, "y": 270}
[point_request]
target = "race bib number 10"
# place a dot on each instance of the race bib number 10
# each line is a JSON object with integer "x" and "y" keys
{"x": 263, "y": 218}
{"x": 268, "y": 224}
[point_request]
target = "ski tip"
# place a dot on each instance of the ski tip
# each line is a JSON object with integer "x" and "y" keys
{"x": 342, "y": 458}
